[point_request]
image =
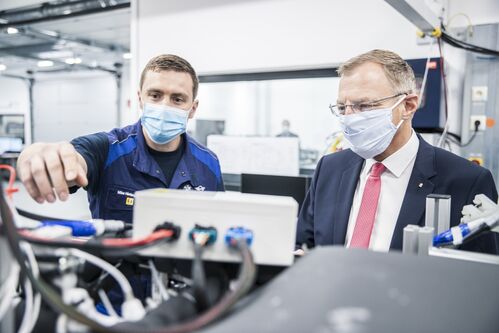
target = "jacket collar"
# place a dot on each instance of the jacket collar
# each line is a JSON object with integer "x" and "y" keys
{"x": 145, "y": 163}
{"x": 419, "y": 186}
{"x": 346, "y": 191}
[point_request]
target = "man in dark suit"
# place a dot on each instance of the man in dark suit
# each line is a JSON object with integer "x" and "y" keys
{"x": 364, "y": 196}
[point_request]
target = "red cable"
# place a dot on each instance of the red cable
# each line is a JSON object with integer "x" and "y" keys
{"x": 12, "y": 178}
{"x": 157, "y": 235}
{"x": 111, "y": 242}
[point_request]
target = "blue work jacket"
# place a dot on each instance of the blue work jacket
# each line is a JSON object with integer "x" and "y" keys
{"x": 119, "y": 163}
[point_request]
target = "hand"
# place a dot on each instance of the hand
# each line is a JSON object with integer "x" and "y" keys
{"x": 47, "y": 167}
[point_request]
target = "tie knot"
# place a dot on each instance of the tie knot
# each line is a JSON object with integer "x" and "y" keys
{"x": 377, "y": 169}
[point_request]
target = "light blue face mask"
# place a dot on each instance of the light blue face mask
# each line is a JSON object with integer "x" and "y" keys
{"x": 163, "y": 123}
{"x": 370, "y": 132}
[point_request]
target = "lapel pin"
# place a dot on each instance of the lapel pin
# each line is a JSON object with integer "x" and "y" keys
{"x": 420, "y": 185}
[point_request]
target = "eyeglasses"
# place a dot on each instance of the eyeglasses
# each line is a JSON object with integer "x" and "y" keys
{"x": 341, "y": 109}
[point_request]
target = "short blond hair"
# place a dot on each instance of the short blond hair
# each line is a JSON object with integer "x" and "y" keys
{"x": 397, "y": 70}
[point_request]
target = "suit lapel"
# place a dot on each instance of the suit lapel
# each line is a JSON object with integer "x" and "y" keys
{"x": 346, "y": 190}
{"x": 419, "y": 186}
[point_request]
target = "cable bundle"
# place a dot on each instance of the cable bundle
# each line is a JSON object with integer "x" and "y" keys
{"x": 467, "y": 46}
{"x": 69, "y": 247}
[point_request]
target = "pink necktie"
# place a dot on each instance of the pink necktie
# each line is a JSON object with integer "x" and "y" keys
{"x": 369, "y": 205}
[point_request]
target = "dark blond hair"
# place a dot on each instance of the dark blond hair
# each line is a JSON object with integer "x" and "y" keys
{"x": 397, "y": 70}
{"x": 170, "y": 62}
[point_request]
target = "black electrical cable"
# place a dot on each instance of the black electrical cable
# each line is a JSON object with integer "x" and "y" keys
{"x": 439, "y": 130}
{"x": 47, "y": 292}
{"x": 473, "y": 136}
{"x": 467, "y": 46}
{"x": 199, "y": 279}
{"x": 96, "y": 247}
{"x": 93, "y": 247}
{"x": 243, "y": 284}
{"x": 477, "y": 233}
{"x": 36, "y": 217}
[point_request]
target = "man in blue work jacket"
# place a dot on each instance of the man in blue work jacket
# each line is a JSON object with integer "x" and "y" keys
{"x": 154, "y": 152}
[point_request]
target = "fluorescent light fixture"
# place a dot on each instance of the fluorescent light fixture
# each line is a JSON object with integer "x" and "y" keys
{"x": 127, "y": 55}
{"x": 56, "y": 54}
{"x": 45, "y": 63}
{"x": 2, "y": 67}
{"x": 12, "y": 30}
{"x": 72, "y": 61}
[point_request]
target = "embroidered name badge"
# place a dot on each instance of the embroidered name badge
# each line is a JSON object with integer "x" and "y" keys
{"x": 129, "y": 197}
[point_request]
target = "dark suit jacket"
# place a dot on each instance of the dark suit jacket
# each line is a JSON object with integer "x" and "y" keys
{"x": 323, "y": 219}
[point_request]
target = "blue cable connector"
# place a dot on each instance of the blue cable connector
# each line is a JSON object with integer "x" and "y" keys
{"x": 446, "y": 237}
{"x": 82, "y": 228}
{"x": 235, "y": 233}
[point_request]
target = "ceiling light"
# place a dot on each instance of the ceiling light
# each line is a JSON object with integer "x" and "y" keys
{"x": 127, "y": 55}
{"x": 45, "y": 63}
{"x": 12, "y": 30}
{"x": 56, "y": 54}
{"x": 2, "y": 67}
{"x": 72, "y": 61}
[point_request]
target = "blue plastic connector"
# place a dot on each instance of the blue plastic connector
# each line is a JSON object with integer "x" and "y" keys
{"x": 79, "y": 228}
{"x": 446, "y": 236}
{"x": 235, "y": 233}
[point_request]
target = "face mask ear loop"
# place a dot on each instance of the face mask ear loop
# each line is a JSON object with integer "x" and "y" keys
{"x": 394, "y": 106}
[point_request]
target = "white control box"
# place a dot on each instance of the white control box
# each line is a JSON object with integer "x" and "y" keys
{"x": 272, "y": 220}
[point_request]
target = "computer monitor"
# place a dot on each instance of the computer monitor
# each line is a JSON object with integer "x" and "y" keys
{"x": 295, "y": 187}
{"x": 10, "y": 145}
{"x": 12, "y": 126}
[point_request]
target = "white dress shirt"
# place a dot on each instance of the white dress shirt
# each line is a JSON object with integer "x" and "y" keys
{"x": 394, "y": 182}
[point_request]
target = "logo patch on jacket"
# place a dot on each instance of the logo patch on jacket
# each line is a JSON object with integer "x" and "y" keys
{"x": 188, "y": 187}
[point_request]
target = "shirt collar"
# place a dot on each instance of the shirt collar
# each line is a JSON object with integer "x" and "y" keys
{"x": 398, "y": 162}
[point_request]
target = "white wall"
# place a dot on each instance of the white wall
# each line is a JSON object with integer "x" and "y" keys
{"x": 128, "y": 93}
{"x": 68, "y": 105}
{"x": 14, "y": 99}
{"x": 222, "y": 36}
{"x": 479, "y": 11}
